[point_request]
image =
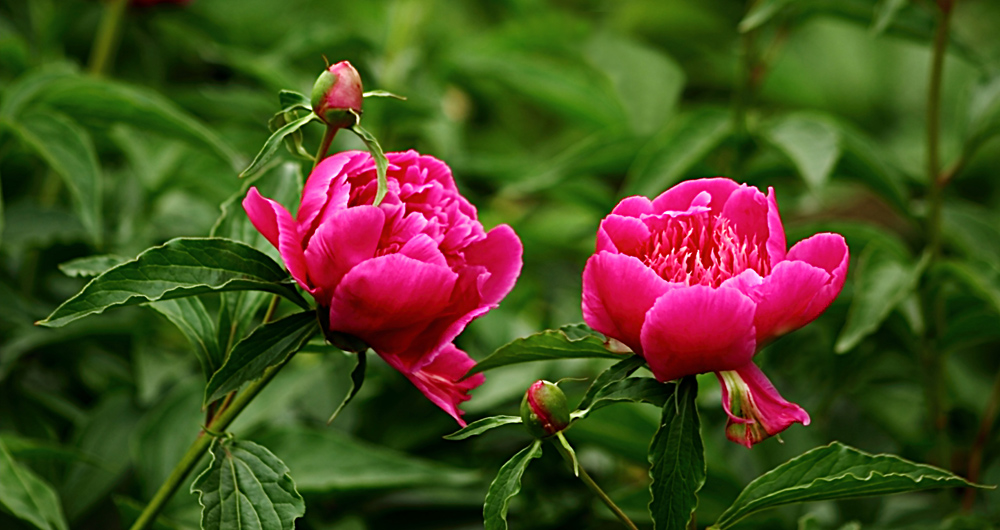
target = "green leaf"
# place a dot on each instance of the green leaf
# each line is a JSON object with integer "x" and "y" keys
{"x": 25, "y": 495}
{"x": 480, "y": 426}
{"x": 615, "y": 372}
{"x": 885, "y": 12}
{"x": 68, "y": 150}
{"x": 27, "y": 87}
{"x": 291, "y": 100}
{"x": 678, "y": 460}
{"x": 275, "y": 141}
{"x": 761, "y": 13}
{"x": 90, "y": 266}
{"x": 180, "y": 267}
{"x": 192, "y": 319}
{"x": 247, "y": 487}
{"x": 568, "y": 342}
{"x": 357, "y": 379}
{"x": 667, "y": 158}
{"x": 383, "y": 94}
{"x": 863, "y": 160}
{"x": 381, "y": 162}
{"x": 832, "y": 472}
{"x": 810, "y": 141}
{"x": 632, "y": 389}
{"x": 984, "y": 114}
{"x": 268, "y": 345}
{"x": 506, "y": 485}
{"x": 884, "y": 280}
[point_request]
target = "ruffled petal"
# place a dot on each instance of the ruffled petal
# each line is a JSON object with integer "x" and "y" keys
{"x": 326, "y": 187}
{"x": 343, "y": 240}
{"x": 274, "y": 222}
{"x": 624, "y": 235}
{"x": 756, "y": 411}
{"x": 785, "y": 296}
{"x": 440, "y": 381}
{"x": 696, "y": 329}
{"x": 500, "y": 253}
{"x": 618, "y": 290}
{"x": 680, "y": 197}
{"x": 828, "y": 252}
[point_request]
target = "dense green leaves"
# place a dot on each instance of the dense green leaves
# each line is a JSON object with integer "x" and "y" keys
{"x": 615, "y": 372}
{"x": 834, "y": 471}
{"x": 192, "y": 319}
{"x": 179, "y": 268}
{"x": 27, "y": 496}
{"x": 247, "y": 487}
{"x": 480, "y": 426}
{"x": 631, "y": 389}
{"x": 568, "y": 342}
{"x": 267, "y": 346}
{"x": 274, "y": 142}
{"x": 506, "y": 485}
{"x": 678, "y": 460}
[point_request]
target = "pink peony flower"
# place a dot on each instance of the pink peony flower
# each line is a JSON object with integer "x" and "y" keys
{"x": 698, "y": 279}
{"x": 405, "y": 277}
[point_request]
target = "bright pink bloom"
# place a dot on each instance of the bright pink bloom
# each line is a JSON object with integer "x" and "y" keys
{"x": 698, "y": 279}
{"x": 406, "y": 276}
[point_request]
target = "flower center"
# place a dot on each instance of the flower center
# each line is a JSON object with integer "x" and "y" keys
{"x": 700, "y": 249}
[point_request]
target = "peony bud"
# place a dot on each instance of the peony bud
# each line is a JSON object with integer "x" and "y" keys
{"x": 337, "y": 95}
{"x": 544, "y": 410}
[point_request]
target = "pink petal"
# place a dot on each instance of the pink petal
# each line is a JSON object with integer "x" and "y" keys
{"x": 423, "y": 248}
{"x": 680, "y": 197}
{"x": 762, "y": 411}
{"x": 389, "y": 300}
{"x": 785, "y": 296}
{"x": 326, "y": 187}
{"x": 828, "y": 252}
{"x": 696, "y": 329}
{"x": 276, "y": 224}
{"x": 625, "y": 235}
{"x": 747, "y": 209}
{"x": 500, "y": 253}
{"x": 439, "y": 379}
{"x": 776, "y": 245}
{"x": 618, "y": 290}
{"x": 633, "y": 206}
{"x": 342, "y": 241}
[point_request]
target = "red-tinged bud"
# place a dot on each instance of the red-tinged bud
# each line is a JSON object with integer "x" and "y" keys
{"x": 337, "y": 95}
{"x": 544, "y": 409}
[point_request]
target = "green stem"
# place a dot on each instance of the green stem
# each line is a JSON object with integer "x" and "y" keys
{"x": 324, "y": 146}
{"x": 976, "y": 454}
{"x": 107, "y": 36}
{"x": 594, "y": 487}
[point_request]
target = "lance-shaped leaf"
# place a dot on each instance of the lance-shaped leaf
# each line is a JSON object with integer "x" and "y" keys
{"x": 291, "y": 100}
{"x": 357, "y": 379}
{"x": 831, "y": 472}
{"x": 615, "y": 372}
{"x": 274, "y": 142}
{"x": 632, "y": 389}
{"x": 480, "y": 426}
{"x": 90, "y": 266}
{"x": 180, "y": 267}
{"x": 268, "y": 345}
{"x": 192, "y": 319}
{"x": 678, "y": 460}
{"x": 27, "y": 496}
{"x": 381, "y": 162}
{"x": 568, "y": 342}
{"x": 247, "y": 487}
{"x": 506, "y": 486}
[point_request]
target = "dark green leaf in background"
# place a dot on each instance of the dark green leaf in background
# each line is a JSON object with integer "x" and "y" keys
{"x": 885, "y": 12}
{"x": 27, "y": 496}
{"x": 568, "y": 342}
{"x": 247, "y": 487}
{"x": 810, "y": 141}
{"x": 192, "y": 319}
{"x": 677, "y": 457}
{"x": 506, "y": 485}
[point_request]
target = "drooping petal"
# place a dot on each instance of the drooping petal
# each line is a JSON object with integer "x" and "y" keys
{"x": 389, "y": 300}
{"x": 624, "y": 235}
{"x": 274, "y": 222}
{"x": 500, "y": 252}
{"x": 696, "y": 329}
{"x": 776, "y": 244}
{"x": 755, "y": 409}
{"x": 784, "y": 297}
{"x": 747, "y": 211}
{"x": 618, "y": 290}
{"x": 439, "y": 380}
{"x": 828, "y": 252}
{"x": 679, "y": 197}
{"x": 342, "y": 241}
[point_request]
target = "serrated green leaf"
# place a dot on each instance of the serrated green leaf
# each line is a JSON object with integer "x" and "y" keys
{"x": 884, "y": 281}
{"x": 268, "y": 345}
{"x": 68, "y": 150}
{"x": 275, "y": 141}
{"x": 381, "y": 162}
{"x": 632, "y": 389}
{"x": 89, "y": 266}
{"x": 677, "y": 459}
{"x": 667, "y": 158}
{"x": 247, "y": 487}
{"x": 567, "y": 342}
{"x": 357, "y": 379}
{"x": 25, "y": 495}
{"x": 192, "y": 319}
{"x": 480, "y": 426}
{"x": 506, "y": 485}
{"x": 180, "y": 267}
{"x": 615, "y": 372}
{"x": 831, "y": 472}
{"x": 810, "y": 141}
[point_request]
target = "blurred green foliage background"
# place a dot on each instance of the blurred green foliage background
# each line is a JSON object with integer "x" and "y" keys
{"x": 549, "y": 112}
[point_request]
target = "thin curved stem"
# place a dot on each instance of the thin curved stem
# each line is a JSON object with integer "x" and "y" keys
{"x": 324, "y": 146}
{"x": 570, "y": 459}
{"x": 106, "y": 39}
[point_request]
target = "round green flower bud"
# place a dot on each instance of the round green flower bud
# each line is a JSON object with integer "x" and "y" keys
{"x": 337, "y": 95}
{"x": 544, "y": 410}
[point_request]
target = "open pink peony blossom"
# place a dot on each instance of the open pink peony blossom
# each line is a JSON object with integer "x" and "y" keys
{"x": 405, "y": 277}
{"x": 698, "y": 279}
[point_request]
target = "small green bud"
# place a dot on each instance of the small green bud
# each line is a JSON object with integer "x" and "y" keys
{"x": 544, "y": 409}
{"x": 337, "y": 95}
